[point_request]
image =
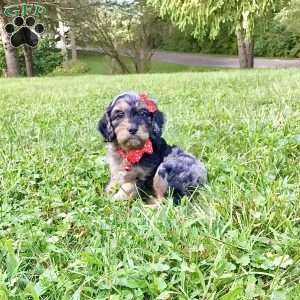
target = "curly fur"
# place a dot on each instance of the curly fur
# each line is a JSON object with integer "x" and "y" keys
{"x": 167, "y": 169}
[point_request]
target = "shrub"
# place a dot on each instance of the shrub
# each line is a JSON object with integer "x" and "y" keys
{"x": 174, "y": 40}
{"x": 270, "y": 39}
{"x": 225, "y": 43}
{"x": 276, "y": 41}
{"x": 2, "y": 60}
{"x": 45, "y": 58}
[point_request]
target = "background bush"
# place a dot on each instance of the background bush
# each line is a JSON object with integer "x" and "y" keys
{"x": 270, "y": 39}
{"x": 45, "y": 58}
{"x": 276, "y": 41}
{"x": 2, "y": 60}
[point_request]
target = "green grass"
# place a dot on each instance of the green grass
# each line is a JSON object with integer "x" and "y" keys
{"x": 100, "y": 64}
{"x": 62, "y": 238}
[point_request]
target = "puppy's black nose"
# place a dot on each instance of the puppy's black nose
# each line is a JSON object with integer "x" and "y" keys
{"x": 133, "y": 130}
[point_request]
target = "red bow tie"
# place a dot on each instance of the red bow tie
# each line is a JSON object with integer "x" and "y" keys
{"x": 149, "y": 103}
{"x": 134, "y": 156}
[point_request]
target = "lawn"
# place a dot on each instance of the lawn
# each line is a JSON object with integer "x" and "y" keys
{"x": 100, "y": 64}
{"x": 62, "y": 238}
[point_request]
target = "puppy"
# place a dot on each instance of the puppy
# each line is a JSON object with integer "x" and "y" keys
{"x": 140, "y": 160}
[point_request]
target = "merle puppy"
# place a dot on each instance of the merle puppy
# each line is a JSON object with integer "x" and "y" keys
{"x": 140, "y": 160}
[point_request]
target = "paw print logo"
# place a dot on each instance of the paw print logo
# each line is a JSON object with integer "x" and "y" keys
{"x": 24, "y": 32}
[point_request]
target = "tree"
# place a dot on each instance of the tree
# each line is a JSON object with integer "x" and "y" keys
{"x": 62, "y": 34}
{"x": 61, "y": 18}
{"x": 208, "y": 16}
{"x": 27, "y": 51}
{"x": 109, "y": 28}
{"x": 10, "y": 51}
{"x": 146, "y": 36}
{"x": 127, "y": 32}
{"x": 289, "y": 16}
{"x": 73, "y": 45}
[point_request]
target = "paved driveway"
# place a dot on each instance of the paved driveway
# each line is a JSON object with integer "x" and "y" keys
{"x": 194, "y": 59}
{"x": 222, "y": 61}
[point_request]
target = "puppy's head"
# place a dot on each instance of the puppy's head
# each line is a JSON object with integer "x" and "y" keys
{"x": 130, "y": 120}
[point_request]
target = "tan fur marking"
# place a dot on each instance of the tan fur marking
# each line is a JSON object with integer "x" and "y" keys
{"x": 121, "y": 106}
{"x": 128, "y": 141}
{"x": 160, "y": 187}
{"x": 126, "y": 192}
{"x": 126, "y": 180}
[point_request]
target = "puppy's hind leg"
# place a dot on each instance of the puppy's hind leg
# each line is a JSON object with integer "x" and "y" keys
{"x": 160, "y": 187}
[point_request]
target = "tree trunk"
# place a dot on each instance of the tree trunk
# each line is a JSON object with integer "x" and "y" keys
{"x": 245, "y": 50}
{"x": 146, "y": 59}
{"x": 142, "y": 65}
{"x": 73, "y": 45}
{"x": 124, "y": 68}
{"x": 250, "y": 53}
{"x": 28, "y": 60}
{"x": 114, "y": 54}
{"x": 61, "y": 30}
{"x": 137, "y": 61}
{"x": 141, "y": 58}
{"x": 10, "y": 51}
{"x": 122, "y": 65}
{"x": 115, "y": 67}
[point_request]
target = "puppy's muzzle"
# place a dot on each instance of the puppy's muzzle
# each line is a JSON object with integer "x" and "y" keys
{"x": 133, "y": 129}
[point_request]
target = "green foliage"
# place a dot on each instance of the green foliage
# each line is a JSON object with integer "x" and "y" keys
{"x": 290, "y": 16}
{"x": 46, "y": 57}
{"x": 224, "y": 43}
{"x": 276, "y": 41}
{"x": 2, "y": 60}
{"x": 271, "y": 39}
{"x": 207, "y": 17}
{"x": 132, "y": 29}
{"x": 63, "y": 238}
{"x": 175, "y": 40}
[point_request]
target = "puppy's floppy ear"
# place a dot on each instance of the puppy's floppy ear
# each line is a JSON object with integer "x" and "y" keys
{"x": 158, "y": 121}
{"x": 105, "y": 128}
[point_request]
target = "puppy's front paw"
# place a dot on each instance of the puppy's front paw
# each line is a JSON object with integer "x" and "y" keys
{"x": 120, "y": 196}
{"x": 126, "y": 192}
{"x": 154, "y": 202}
{"x": 153, "y": 206}
{"x": 112, "y": 186}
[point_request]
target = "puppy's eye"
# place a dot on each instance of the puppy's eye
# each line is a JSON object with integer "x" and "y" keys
{"x": 144, "y": 113}
{"x": 119, "y": 115}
